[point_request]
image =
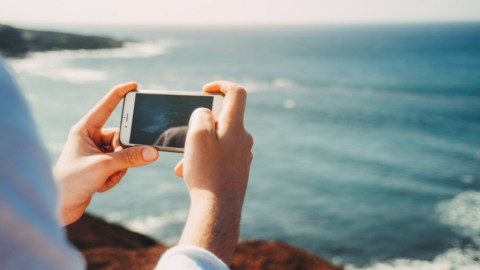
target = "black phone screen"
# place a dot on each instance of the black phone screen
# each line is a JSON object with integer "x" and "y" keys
{"x": 162, "y": 119}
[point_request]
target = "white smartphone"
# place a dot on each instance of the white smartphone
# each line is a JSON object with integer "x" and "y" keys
{"x": 160, "y": 118}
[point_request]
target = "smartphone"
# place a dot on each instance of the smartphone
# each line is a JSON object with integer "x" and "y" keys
{"x": 160, "y": 118}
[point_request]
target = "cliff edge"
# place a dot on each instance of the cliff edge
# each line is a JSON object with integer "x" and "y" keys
{"x": 110, "y": 246}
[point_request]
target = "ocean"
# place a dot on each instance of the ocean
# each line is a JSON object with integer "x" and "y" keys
{"x": 367, "y": 137}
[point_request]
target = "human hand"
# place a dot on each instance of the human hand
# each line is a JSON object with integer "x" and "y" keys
{"x": 93, "y": 160}
{"x": 215, "y": 167}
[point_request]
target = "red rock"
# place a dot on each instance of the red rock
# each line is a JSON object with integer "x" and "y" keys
{"x": 258, "y": 254}
{"x": 110, "y": 246}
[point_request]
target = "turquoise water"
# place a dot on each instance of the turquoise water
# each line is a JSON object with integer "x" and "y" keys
{"x": 367, "y": 145}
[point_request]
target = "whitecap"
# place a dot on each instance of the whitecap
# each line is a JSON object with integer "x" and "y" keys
{"x": 452, "y": 259}
{"x": 462, "y": 213}
{"x": 283, "y": 83}
{"x": 75, "y": 75}
{"x": 151, "y": 224}
{"x": 289, "y": 104}
{"x": 57, "y": 69}
{"x": 56, "y": 65}
{"x": 252, "y": 86}
{"x": 129, "y": 50}
{"x": 468, "y": 179}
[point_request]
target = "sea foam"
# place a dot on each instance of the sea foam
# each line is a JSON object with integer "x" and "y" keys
{"x": 151, "y": 224}
{"x": 463, "y": 214}
{"x": 57, "y": 65}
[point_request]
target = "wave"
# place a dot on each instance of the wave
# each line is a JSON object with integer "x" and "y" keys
{"x": 151, "y": 224}
{"x": 129, "y": 50}
{"x": 253, "y": 85}
{"x": 57, "y": 69}
{"x": 463, "y": 214}
{"x": 57, "y": 65}
{"x": 283, "y": 83}
{"x": 452, "y": 259}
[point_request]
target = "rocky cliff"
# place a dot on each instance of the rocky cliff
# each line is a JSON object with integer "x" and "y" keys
{"x": 16, "y": 42}
{"x": 110, "y": 246}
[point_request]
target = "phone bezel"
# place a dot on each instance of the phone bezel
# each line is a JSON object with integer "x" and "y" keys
{"x": 129, "y": 104}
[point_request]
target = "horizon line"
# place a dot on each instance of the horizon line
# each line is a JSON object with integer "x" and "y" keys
{"x": 300, "y": 24}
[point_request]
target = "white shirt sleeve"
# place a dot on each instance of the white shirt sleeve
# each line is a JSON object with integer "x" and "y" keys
{"x": 190, "y": 258}
{"x": 31, "y": 236}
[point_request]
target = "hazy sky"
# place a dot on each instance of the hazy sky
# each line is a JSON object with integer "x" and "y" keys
{"x": 235, "y": 11}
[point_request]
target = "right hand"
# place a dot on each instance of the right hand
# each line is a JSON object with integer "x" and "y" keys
{"x": 216, "y": 167}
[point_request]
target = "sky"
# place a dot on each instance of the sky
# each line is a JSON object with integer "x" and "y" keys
{"x": 235, "y": 12}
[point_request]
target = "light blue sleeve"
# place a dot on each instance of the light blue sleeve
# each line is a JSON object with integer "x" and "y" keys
{"x": 30, "y": 233}
{"x": 188, "y": 257}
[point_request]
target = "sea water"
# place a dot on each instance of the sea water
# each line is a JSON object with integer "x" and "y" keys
{"x": 367, "y": 138}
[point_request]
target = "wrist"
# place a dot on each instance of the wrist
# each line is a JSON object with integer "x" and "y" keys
{"x": 213, "y": 223}
{"x": 221, "y": 201}
{"x": 221, "y": 212}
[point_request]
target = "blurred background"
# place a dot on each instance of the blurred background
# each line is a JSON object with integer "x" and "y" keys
{"x": 365, "y": 114}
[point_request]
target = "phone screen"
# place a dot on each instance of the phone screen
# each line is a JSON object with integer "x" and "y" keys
{"x": 162, "y": 119}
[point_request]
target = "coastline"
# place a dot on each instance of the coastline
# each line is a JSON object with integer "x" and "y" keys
{"x": 110, "y": 246}
{"x": 18, "y": 42}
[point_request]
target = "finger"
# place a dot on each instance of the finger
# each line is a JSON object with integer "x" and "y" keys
{"x": 107, "y": 135}
{"x": 111, "y": 137}
{"x": 97, "y": 117}
{"x": 112, "y": 181}
{"x": 116, "y": 142}
{"x": 201, "y": 125}
{"x": 132, "y": 157}
{"x": 234, "y": 102}
{"x": 179, "y": 169}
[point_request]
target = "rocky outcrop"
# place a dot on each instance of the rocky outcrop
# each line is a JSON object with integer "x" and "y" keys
{"x": 16, "y": 42}
{"x": 110, "y": 246}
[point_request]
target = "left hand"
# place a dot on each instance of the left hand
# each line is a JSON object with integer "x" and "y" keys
{"x": 93, "y": 159}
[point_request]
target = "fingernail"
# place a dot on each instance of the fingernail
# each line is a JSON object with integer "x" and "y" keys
{"x": 149, "y": 154}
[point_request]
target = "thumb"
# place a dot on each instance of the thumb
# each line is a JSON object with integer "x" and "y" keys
{"x": 133, "y": 157}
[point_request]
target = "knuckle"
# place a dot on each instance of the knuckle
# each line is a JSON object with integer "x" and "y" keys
{"x": 249, "y": 146}
{"x": 250, "y": 140}
{"x": 201, "y": 114}
{"x": 116, "y": 93}
{"x": 117, "y": 90}
{"x": 239, "y": 91}
{"x": 199, "y": 133}
{"x": 224, "y": 84}
{"x": 130, "y": 157}
{"x": 201, "y": 111}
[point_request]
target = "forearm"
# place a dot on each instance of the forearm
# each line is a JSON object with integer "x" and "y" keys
{"x": 218, "y": 153}
{"x": 213, "y": 224}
